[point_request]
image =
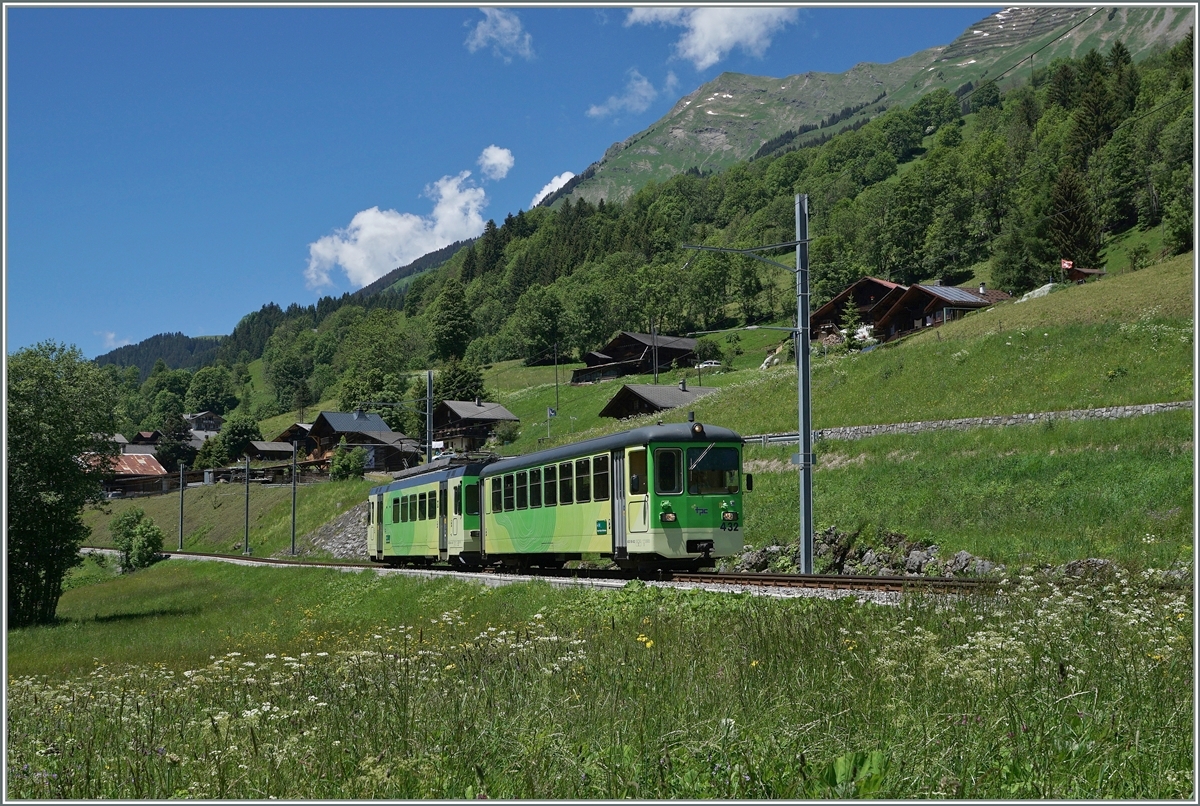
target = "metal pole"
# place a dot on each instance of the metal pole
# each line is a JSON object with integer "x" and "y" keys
{"x": 654, "y": 341}
{"x": 556, "y": 376}
{"x": 294, "y": 449}
{"x": 803, "y": 386}
{"x": 246, "y": 543}
{"x": 181, "y": 488}
{"x": 428, "y": 416}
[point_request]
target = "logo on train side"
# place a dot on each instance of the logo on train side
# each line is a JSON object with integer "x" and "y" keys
{"x": 601, "y": 527}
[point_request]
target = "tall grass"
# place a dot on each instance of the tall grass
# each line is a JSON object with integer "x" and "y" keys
{"x": 418, "y": 689}
{"x": 1043, "y": 493}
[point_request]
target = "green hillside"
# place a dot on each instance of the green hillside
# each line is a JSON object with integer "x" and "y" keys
{"x": 726, "y": 120}
{"x": 1051, "y": 353}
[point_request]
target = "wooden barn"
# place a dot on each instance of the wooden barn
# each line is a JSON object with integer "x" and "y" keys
{"x": 645, "y": 398}
{"x": 634, "y": 354}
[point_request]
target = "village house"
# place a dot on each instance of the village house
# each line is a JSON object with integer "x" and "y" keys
{"x": 644, "y": 398}
{"x": 386, "y": 449}
{"x": 922, "y": 306}
{"x": 465, "y": 425}
{"x": 634, "y": 354}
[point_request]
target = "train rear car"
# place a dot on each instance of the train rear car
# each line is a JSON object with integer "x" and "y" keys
{"x": 426, "y": 516}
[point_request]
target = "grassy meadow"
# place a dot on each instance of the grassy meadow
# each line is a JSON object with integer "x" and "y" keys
{"x": 214, "y": 517}
{"x": 1032, "y": 494}
{"x": 204, "y": 680}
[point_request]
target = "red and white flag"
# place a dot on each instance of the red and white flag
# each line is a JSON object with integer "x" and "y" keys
{"x": 1068, "y": 264}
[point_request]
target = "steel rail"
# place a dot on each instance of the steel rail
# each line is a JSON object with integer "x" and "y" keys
{"x": 910, "y": 584}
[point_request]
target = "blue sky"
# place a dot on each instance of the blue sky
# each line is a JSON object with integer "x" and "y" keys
{"x": 172, "y": 169}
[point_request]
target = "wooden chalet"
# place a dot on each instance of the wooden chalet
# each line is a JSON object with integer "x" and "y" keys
{"x": 386, "y": 449}
{"x": 136, "y": 474}
{"x": 922, "y": 306}
{"x": 299, "y": 432}
{"x": 871, "y": 295}
{"x": 645, "y": 398}
{"x": 204, "y": 421}
{"x": 466, "y": 425}
{"x": 634, "y": 354}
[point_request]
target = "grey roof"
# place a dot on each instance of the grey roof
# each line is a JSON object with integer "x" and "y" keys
{"x": 675, "y": 342}
{"x": 664, "y": 397}
{"x": 364, "y": 422}
{"x": 198, "y": 437}
{"x": 271, "y": 447}
{"x": 952, "y": 293}
{"x": 467, "y": 410}
{"x": 670, "y": 432}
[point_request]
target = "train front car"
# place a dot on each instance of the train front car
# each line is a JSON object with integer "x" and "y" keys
{"x": 665, "y": 496}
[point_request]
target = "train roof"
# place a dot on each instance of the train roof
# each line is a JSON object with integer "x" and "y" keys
{"x": 669, "y": 432}
{"x": 424, "y": 474}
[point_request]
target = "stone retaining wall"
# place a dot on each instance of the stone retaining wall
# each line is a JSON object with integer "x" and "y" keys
{"x": 964, "y": 423}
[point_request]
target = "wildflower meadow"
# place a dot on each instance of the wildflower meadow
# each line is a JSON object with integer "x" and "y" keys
{"x": 1050, "y": 688}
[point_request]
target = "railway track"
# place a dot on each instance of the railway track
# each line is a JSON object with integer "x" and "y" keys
{"x": 833, "y": 582}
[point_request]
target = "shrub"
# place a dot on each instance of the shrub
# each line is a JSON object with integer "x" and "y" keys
{"x": 347, "y": 464}
{"x": 137, "y": 538}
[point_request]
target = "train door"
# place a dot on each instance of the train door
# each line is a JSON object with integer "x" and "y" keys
{"x": 375, "y": 527}
{"x": 455, "y": 540}
{"x": 637, "y": 496}
{"x": 619, "y": 548}
{"x": 443, "y": 534}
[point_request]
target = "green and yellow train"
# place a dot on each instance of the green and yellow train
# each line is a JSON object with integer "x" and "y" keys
{"x": 667, "y": 496}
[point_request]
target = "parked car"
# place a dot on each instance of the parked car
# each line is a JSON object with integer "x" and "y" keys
{"x": 709, "y": 365}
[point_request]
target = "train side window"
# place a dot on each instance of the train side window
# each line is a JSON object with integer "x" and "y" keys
{"x": 637, "y": 470}
{"x": 497, "y": 506}
{"x": 396, "y": 509}
{"x": 523, "y": 490}
{"x": 583, "y": 480}
{"x": 472, "y": 499}
{"x": 668, "y": 471}
{"x": 509, "y": 489}
{"x": 535, "y": 487}
{"x": 564, "y": 483}
{"x": 551, "y": 485}
{"x": 458, "y": 500}
{"x": 431, "y": 503}
{"x": 600, "y": 478}
{"x": 421, "y": 506}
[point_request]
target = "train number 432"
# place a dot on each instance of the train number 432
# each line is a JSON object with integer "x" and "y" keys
{"x": 729, "y": 527}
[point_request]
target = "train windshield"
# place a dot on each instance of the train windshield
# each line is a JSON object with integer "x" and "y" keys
{"x": 713, "y": 471}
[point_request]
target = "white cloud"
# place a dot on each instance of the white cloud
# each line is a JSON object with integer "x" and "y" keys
{"x": 111, "y": 342}
{"x": 551, "y": 186}
{"x": 502, "y": 30}
{"x": 638, "y": 95}
{"x": 377, "y": 241}
{"x": 711, "y": 33}
{"x": 496, "y": 162}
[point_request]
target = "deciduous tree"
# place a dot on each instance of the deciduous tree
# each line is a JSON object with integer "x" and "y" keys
{"x": 59, "y": 448}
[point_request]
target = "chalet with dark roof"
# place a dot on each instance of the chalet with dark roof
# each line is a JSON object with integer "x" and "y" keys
{"x": 466, "y": 425}
{"x": 644, "y": 398}
{"x": 872, "y": 297}
{"x": 922, "y": 306}
{"x": 634, "y": 354}
{"x": 386, "y": 449}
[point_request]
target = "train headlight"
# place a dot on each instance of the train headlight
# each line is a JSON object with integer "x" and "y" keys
{"x": 669, "y": 517}
{"x": 729, "y": 516}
